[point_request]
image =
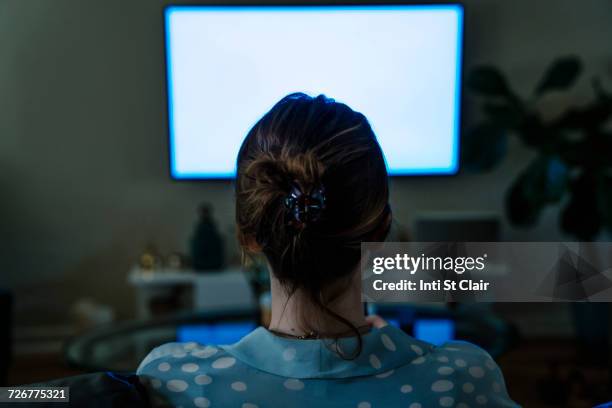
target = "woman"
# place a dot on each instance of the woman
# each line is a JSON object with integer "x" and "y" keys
{"x": 311, "y": 186}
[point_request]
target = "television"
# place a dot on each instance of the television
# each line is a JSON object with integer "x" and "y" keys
{"x": 400, "y": 65}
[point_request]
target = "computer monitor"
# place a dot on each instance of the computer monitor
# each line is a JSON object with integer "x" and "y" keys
{"x": 400, "y": 65}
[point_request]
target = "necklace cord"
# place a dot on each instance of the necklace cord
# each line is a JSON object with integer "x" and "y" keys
{"x": 313, "y": 335}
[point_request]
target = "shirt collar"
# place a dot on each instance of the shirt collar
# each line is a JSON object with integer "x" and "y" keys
{"x": 383, "y": 350}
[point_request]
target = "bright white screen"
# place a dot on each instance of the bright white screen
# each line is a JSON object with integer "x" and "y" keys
{"x": 398, "y": 65}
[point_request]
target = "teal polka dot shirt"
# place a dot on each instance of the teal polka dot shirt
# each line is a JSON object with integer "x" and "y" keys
{"x": 265, "y": 370}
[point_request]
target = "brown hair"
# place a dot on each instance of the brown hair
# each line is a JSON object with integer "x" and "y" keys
{"x": 311, "y": 143}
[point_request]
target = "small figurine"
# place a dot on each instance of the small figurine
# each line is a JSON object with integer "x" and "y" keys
{"x": 207, "y": 250}
{"x": 149, "y": 260}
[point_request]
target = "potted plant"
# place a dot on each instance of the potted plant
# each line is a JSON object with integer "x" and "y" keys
{"x": 574, "y": 151}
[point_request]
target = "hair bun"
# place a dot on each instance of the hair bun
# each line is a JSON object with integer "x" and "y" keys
{"x": 305, "y": 207}
{"x": 284, "y": 187}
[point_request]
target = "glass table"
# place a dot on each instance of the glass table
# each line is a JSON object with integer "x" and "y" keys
{"x": 121, "y": 347}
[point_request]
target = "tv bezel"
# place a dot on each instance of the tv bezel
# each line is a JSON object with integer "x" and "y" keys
{"x": 456, "y": 168}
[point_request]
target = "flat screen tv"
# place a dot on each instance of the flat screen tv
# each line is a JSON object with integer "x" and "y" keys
{"x": 400, "y": 65}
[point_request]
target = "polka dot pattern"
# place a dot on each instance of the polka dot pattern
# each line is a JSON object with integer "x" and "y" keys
{"x": 202, "y": 379}
{"x": 460, "y": 363}
{"x": 205, "y": 352}
{"x": 416, "y": 349}
{"x": 387, "y": 342}
{"x": 201, "y": 402}
{"x": 468, "y": 388}
{"x": 442, "y": 386}
{"x": 179, "y": 353}
{"x": 445, "y": 370}
{"x": 447, "y": 401}
{"x": 177, "y": 385}
{"x": 190, "y": 368}
{"x": 190, "y": 346}
{"x": 459, "y": 375}
{"x": 293, "y": 384}
{"x": 375, "y": 361}
{"x": 476, "y": 371}
{"x": 223, "y": 362}
{"x": 385, "y": 374}
{"x": 239, "y": 386}
{"x": 406, "y": 389}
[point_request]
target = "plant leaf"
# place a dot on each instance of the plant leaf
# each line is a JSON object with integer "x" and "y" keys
{"x": 544, "y": 181}
{"x": 503, "y": 114}
{"x": 561, "y": 74}
{"x": 483, "y": 147}
{"x": 488, "y": 81}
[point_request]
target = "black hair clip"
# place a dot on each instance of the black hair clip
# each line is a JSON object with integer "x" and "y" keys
{"x": 305, "y": 208}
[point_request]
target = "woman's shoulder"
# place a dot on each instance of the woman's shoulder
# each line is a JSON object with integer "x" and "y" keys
{"x": 463, "y": 358}
{"x": 469, "y": 372}
{"x": 462, "y": 350}
{"x": 183, "y": 357}
{"x": 175, "y": 372}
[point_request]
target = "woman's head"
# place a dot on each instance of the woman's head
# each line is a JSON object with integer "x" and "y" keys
{"x": 311, "y": 186}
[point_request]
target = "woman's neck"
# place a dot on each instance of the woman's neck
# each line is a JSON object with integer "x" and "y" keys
{"x": 289, "y": 312}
